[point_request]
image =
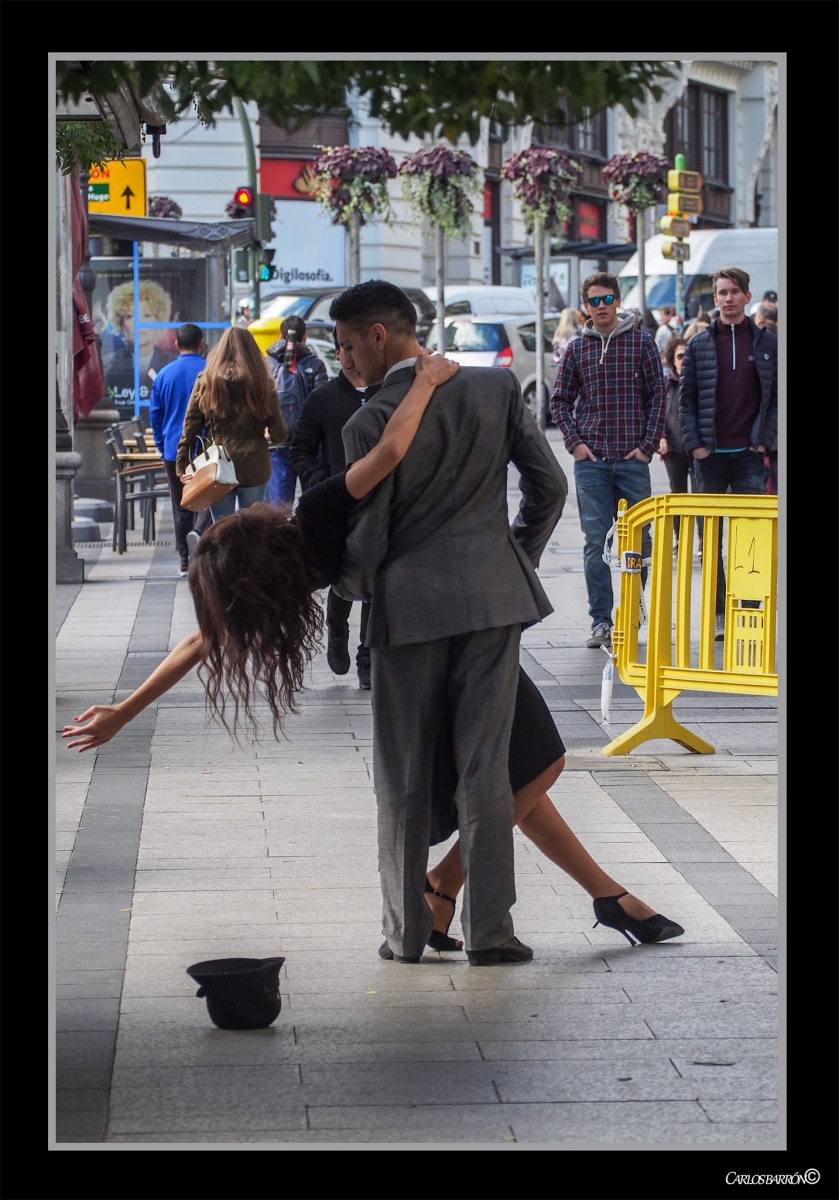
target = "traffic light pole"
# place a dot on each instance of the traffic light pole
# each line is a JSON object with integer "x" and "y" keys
{"x": 679, "y": 163}
{"x": 683, "y": 199}
{"x": 250, "y": 154}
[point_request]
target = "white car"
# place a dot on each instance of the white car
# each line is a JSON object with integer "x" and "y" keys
{"x": 501, "y": 341}
{"x": 326, "y": 353}
{"x": 480, "y": 299}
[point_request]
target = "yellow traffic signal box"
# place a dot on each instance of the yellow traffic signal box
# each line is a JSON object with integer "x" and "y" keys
{"x": 684, "y": 181}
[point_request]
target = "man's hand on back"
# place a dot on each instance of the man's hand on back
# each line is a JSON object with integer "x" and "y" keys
{"x": 582, "y": 451}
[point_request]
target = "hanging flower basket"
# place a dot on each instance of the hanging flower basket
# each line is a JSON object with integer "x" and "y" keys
{"x": 636, "y": 180}
{"x": 438, "y": 184}
{"x": 541, "y": 180}
{"x": 354, "y": 180}
{"x": 162, "y": 206}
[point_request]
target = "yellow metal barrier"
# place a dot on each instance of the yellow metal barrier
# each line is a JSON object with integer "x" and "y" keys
{"x": 751, "y": 574}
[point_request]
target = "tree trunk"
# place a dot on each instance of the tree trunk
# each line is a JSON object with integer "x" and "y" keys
{"x": 640, "y": 227}
{"x": 441, "y": 289}
{"x": 355, "y": 249}
{"x": 539, "y": 263}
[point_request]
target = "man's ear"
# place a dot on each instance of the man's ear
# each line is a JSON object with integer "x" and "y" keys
{"x": 378, "y": 334}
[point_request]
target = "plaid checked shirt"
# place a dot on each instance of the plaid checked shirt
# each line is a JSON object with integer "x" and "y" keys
{"x": 612, "y": 406}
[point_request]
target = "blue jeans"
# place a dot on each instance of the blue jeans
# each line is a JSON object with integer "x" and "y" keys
{"x": 283, "y": 478}
{"x": 600, "y": 485}
{"x": 744, "y": 472}
{"x": 240, "y": 497}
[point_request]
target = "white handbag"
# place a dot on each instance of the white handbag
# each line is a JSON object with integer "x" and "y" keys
{"x": 211, "y": 476}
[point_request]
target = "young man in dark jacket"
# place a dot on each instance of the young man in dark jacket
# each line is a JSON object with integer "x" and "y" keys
{"x": 728, "y": 402}
{"x": 316, "y": 451}
{"x": 608, "y": 403}
{"x": 303, "y": 362}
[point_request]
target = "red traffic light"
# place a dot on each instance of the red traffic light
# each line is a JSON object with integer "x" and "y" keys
{"x": 242, "y": 204}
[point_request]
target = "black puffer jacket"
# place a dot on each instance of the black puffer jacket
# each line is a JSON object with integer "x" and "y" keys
{"x": 698, "y": 393}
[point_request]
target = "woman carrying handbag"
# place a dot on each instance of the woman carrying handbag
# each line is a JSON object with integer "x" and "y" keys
{"x": 233, "y": 402}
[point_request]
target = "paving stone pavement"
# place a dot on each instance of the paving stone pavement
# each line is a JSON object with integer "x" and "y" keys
{"x": 174, "y": 845}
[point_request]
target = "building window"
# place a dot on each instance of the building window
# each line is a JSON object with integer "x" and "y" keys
{"x": 714, "y": 140}
{"x": 587, "y": 135}
{"x": 588, "y": 214}
{"x": 697, "y": 126}
{"x": 591, "y": 134}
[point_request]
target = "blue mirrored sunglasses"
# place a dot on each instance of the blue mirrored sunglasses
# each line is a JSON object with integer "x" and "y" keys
{"x": 596, "y": 301}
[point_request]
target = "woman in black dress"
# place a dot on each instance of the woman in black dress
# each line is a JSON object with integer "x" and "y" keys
{"x": 254, "y": 580}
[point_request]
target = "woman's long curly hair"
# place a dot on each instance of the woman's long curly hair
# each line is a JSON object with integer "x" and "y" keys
{"x": 261, "y": 623}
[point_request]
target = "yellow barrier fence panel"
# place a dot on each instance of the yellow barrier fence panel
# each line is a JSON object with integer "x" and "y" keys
{"x": 684, "y": 578}
{"x": 751, "y": 579}
{"x": 752, "y": 574}
{"x": 707, "y": 621}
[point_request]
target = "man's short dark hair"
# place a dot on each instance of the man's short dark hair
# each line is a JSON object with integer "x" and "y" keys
{"x": 735, "y": 275}
{"x": 295, "y": 325}
{"x": 189, "y": 337}
{"x": 601, "y": 279}
{"x": 375, "y": 302}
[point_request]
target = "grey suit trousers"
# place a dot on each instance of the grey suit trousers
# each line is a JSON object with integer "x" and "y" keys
{"x": 468, "y": 681}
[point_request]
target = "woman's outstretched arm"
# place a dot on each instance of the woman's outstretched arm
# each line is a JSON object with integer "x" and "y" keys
{"x": 106, "y": 720}
{"x": 366, "y": 472}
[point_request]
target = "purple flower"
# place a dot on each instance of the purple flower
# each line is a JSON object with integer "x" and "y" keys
{"x": 162, "y": 206}
{"x": 636, "y": 180}
{"x": 439, "y": 161}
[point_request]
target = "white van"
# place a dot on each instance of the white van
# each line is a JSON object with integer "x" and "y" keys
{"x": 753, "y": 250}
{"x": 484, "y": 299}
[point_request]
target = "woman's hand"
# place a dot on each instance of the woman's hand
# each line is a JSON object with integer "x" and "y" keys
{"x": 185, "y": 479}
{"x": 434, "y": 368}
{"x": 663, "y": 447}
{"x": 105, "y": 720}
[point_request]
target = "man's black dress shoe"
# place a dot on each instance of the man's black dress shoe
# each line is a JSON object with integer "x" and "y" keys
{"x": 364, "y": 676}
{"x": 338, "y": 655}
{"x": 510, "y": 952}
{"x": 386, "y": 953}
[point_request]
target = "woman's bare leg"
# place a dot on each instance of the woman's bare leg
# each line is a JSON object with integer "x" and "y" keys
{"x": 539, "y": 821}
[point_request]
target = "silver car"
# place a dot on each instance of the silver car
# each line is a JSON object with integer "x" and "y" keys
{"x": 501, "y": 341}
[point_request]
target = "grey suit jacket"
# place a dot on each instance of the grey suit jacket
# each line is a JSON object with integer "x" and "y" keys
{"x": 431, "y": 546}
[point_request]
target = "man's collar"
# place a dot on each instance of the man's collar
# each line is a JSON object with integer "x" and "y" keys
{"x": 401, "y": 366}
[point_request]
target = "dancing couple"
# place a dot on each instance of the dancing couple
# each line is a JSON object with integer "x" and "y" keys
{"x": 416, "y": 524}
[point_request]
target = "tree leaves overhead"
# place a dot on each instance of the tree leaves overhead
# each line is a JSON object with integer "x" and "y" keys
{"x": 442, "y": 98}
{"x": 419, "y": 97}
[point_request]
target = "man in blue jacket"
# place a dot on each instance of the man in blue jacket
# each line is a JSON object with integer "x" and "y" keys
{"x": 728, "y": 403}
{"x": 170, "y": 395}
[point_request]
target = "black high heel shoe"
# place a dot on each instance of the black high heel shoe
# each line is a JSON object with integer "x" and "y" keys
{"x": 654, "y": 929}
{"x": 436, "y": 939}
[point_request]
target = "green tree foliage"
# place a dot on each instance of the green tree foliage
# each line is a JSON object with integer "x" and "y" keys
{"x": 442, "y": 98}
{"x": 85, "y": 144}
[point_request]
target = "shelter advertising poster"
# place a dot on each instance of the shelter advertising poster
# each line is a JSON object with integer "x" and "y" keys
{"x": 171, "y": 291}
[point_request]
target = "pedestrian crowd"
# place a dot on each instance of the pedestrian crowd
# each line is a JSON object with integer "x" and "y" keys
{"x": 706, "y": 400}
{"x": 402, "y": 461}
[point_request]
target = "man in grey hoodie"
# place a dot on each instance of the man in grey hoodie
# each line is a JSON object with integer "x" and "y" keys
{"x": 608, "y": 403}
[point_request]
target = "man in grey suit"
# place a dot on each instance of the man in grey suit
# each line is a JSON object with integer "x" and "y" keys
{"x": 451, "y": 587}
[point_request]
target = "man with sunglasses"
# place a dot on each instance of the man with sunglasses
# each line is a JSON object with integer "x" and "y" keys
{"x": 608, "y": 403}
